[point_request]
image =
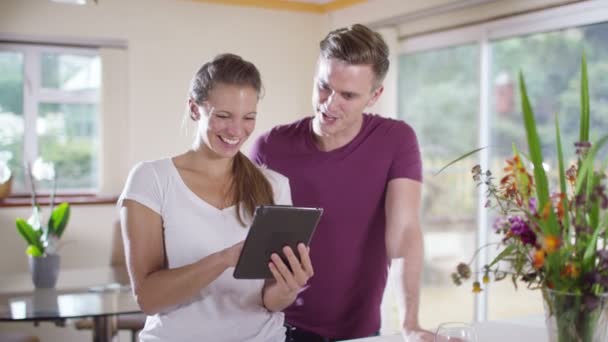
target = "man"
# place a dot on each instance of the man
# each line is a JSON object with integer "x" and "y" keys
{"x": 366, "y": 172}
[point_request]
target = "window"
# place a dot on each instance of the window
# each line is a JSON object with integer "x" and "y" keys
{"x": 446, "y": 125}
{"x": 49, "y": 108}
{"x": 459, "y": 91}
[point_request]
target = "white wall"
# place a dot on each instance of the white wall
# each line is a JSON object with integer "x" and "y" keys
{"x": 145, "y": 92}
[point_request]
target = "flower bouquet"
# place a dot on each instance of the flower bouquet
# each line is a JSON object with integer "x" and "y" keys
{"x": 554, "y": 240}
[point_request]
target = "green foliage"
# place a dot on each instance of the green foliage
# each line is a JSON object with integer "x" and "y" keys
{"x": 59, "y": 219}
{"x": 537, "y": 241}
{"x": 38, "y": 240}
{"x": 31, "y": 236}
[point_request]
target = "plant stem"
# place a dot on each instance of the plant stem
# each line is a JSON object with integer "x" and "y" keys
{"x": 52, "y": 204}
{"x": 28, "y": 171}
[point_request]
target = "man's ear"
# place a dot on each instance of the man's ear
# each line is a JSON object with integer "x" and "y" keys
{"x": 375, "y": 96}
{"x": 195, "y": 114}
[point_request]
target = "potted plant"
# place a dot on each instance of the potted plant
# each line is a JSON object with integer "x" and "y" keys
{"x": 42, "y": 239}
{"x": 555, "y": 240}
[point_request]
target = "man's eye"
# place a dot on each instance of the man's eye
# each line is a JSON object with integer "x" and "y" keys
{"x": 348, "y": 96}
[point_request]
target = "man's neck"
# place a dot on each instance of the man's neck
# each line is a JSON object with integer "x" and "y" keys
{"x": 327, "y": 142}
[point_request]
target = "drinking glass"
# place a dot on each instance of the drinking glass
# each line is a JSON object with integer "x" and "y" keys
{"x": 455, "y": 332}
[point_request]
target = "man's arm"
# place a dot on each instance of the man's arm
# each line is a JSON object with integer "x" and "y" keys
{"x": 404, "y": 240}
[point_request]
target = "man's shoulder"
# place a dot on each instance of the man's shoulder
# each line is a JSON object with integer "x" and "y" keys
{"x": 389, "y": 127}
{"x": 294, "y": 128}
{"x": 279, "y": 141}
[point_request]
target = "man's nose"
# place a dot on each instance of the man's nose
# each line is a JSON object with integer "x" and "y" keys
{"x": 333, "y": 102}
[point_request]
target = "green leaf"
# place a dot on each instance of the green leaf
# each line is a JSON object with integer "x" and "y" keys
{"x": 59, "y": 219}
{"x": 459, "y": 159}
{"x": 586, "y": 169}
{"x": 589, "y": 256}
{"x": 28, "y": 233}
{"x": 536, "y": 156}
{"x": 33, "y": 251}
{"x": 505, "y": 252}
{"x": 585, "y": 109}
{"x": 562, "y": 179}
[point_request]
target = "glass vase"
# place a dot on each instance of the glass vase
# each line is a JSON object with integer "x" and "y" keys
{"x": 573, "y": 318}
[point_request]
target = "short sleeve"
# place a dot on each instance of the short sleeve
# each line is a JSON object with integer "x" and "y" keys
{"x": 143, "y": 186}
{"x": 280, "y": 187}
{"x": 257, "y": 151}
{"x": 406, "y": 162}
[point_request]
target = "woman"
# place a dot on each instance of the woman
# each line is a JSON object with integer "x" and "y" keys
{"x": 184, "y": 220}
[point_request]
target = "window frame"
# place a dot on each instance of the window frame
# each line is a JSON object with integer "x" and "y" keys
{"x": 34, "y": 94}
{"x": 563, "y": 17}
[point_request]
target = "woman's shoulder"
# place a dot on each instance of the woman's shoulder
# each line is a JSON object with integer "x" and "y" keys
{"x": 154, "y": 167}
{"x": 275, "y": 178}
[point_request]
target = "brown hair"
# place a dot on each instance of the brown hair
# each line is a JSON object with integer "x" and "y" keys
{"x": 249, "y": 187}
{"x": 358, "y": 45}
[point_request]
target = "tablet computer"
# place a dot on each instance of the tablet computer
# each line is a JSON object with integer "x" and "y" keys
{"x": 273, "y": 227}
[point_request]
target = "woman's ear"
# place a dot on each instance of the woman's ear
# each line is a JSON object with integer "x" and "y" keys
{"x": 195, "y": 114}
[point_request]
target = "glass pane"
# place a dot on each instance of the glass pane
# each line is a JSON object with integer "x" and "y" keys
{"x": 11, "y": 114}
{"x": 70, "y": 72}
{"x": 438, "y": 97}
{"x": 550, "y": 63}
{"x": 68, "y": 137}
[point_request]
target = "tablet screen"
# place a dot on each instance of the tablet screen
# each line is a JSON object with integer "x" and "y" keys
{"x": 273, "y": 227}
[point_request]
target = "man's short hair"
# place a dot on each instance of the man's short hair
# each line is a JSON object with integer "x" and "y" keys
{"x": 358, "y": 45}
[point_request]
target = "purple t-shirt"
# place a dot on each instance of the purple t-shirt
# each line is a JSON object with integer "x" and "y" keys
{"x": 348, "y": 249}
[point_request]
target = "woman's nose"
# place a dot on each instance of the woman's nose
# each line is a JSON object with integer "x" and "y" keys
{"x": 235, "y": 127}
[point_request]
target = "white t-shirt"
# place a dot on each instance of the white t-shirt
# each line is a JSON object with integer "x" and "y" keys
{"x": 228, "y": 309}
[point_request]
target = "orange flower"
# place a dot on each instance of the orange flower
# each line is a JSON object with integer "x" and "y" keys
{"x": 570, "y": 270}
{"x": 538, "y": 259}
{"x": 476, "y": 287}
{"x": 486, "y": 279}
{"x": 560, "y": 210}
{"x": 551, "y": 243}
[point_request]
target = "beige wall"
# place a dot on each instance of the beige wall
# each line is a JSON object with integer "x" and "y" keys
{"x": 145, "y": 91}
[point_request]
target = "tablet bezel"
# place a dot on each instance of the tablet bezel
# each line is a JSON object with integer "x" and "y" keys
{"x": 281, "y": 225}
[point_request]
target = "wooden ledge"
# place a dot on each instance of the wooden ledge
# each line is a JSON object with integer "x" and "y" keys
{"x": 72, "y": 199}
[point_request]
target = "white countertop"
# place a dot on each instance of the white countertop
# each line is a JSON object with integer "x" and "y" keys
{"x": 521, "y": 330}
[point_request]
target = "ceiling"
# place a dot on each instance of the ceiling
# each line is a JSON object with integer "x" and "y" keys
{"x": 313, "y": 6}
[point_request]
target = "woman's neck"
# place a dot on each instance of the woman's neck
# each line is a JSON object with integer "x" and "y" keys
{"x": 202, "y": 159}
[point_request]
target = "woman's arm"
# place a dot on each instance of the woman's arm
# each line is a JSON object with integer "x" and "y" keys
{"x": 156, "y": 287}
{"x": 283, "y": 290}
